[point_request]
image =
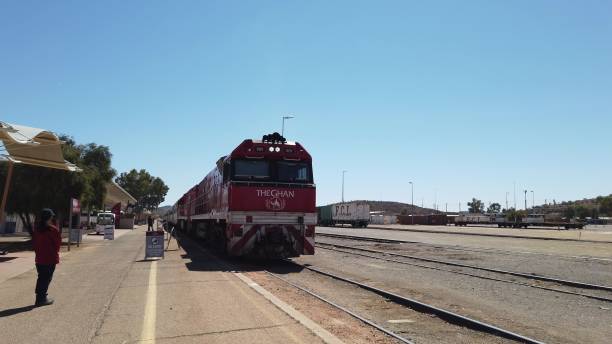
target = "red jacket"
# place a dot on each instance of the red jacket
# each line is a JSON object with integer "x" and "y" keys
{"x": 47, "y": 245}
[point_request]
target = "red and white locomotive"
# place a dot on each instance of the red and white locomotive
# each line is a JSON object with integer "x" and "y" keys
{"x": 259, "y": 200}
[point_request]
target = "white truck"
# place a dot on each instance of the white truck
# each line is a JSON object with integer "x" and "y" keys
{"x": 352, "y": 213}
{"x": 103, "y": 221}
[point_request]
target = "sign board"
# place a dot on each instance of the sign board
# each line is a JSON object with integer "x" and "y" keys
{"x": 109, "y": 232}
{"x": 76, "y": 235}
{"x": 75, "y": 206}
{"x": 154, "y": 244}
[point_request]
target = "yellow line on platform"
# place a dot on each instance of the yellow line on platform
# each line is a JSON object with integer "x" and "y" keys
{"x": 150, "y": 312}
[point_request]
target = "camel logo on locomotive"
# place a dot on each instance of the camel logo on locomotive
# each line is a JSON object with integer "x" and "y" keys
{"x": 275, "y": 199}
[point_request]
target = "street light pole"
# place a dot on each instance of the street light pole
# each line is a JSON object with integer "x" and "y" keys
{"x": 525, "y": 191}
{"x": 283, "y": 129}
{"x": 343, "y": 173}
{"x": 412, "y": 199}
{"x": 532, "y": 200}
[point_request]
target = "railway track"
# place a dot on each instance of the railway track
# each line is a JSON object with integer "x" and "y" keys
{"x": 418, "y": 306}
{"x": 444, "y": 314}
{"x": 576, "y": 284}
{"x": 462, "y": 248}
{"x": 489, "y": 235}
{"x": 343, "y": 309}
{"x": 347, "y": 249}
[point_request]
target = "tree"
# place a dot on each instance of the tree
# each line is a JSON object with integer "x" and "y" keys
{"x": 569, "y": 212}
{"x": 582, "y": 211}
{"x": 476, "y": 206}
{"x": 605, "y": 205}
{"x": 513, "y": 215}
{"x": 149, "y": 191}
{"x": 494, "y": 208}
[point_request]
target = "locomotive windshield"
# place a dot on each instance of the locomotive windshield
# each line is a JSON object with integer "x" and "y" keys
{"x": 293, "y": 172}
{"x": 273, "y": 171}
{"x": 251, "y": 169}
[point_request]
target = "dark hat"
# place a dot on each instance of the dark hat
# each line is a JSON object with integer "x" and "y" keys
{"x": 46, "y": 214}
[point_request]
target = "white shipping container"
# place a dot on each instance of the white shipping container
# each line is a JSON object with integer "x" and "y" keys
{"x": 351, "y": 212}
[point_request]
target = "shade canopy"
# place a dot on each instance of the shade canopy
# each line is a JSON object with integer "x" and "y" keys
{"x": 116, "y": 194}
{"x": 33, "y": 146}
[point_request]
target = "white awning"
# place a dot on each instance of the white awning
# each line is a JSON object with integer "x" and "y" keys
{"x": 33, "y": 146}
{"x": 116, "y": 194}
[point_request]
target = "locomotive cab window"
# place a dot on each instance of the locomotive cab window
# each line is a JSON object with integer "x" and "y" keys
{"x": 293, "y": 172}
{"x": 251, "y": 169}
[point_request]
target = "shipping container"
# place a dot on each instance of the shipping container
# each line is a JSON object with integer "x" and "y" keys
{"x": 352, "y": 213}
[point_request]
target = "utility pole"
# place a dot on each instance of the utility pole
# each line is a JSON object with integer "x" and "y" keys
{"x": 343, "y": 173}
{"x": 507, "y": 200}
{"x": 283, "y": 129}
{"x": 436, "y": 199}
{"x": 515, "y": 195}
{"x": 525, "y": 199}
{"x": 412, "y": 200}
{"x": 532, "y": 200}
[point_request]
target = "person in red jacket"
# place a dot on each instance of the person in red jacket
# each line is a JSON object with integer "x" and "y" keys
{"x": 47, "y": 240}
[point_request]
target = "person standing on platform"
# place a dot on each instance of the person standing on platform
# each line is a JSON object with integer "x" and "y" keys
{"x": 47, "y": 241}
{"x": 149, "y": 223}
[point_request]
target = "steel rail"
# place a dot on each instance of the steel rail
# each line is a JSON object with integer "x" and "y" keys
{"x": 513, "y": 273}
{"x": 349, "y": 312}
{"x": 595, "y": 297}
{"x": 233, "y": 267}
{"x": 449, "y": 316}
{"x": 463, "y": 248}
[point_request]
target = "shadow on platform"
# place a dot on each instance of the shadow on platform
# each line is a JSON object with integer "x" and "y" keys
{"x": 13, "y": 311}
{"x": 206, "y": 259}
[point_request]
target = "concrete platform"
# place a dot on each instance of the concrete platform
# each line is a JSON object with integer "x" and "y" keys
{"x": 106, "y": 293}
{"x": 19, "y": 261}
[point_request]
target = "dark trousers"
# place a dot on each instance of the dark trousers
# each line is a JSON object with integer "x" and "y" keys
{"x": 45, "y": 274}
{"x": 150, "y": 227}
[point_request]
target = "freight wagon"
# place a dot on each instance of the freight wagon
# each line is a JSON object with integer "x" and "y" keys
{"x": 432, "y": 219}
{"x": 258, "y": 201}
{"x": 352, "y": 213}
{"x": 502, "y": 221}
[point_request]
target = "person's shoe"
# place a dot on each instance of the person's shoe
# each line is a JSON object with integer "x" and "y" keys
{"x": 43, "y": 302}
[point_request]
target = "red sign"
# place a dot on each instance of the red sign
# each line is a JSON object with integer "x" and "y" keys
{"x": 75, "y": 206}
{"x": 254, "y": 198}
{"x": 117, "y": 211}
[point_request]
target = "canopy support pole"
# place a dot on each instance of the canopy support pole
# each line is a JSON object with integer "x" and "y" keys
{"x": 7, "y": 185}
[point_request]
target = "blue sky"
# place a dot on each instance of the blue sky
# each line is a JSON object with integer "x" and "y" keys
{"x": 462, "y": 97}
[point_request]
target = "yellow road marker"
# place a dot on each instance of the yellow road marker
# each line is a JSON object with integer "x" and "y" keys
{"x": 150, "y": 312}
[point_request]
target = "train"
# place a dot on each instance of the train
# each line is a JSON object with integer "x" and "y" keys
{"x": 258, "y": 201}
{"x": 352, "y": 213}
{"x": 500, "y": 220}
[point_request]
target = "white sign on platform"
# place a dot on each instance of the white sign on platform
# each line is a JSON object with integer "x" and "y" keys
{"x": 109, "y": 233}
{"x": 76, "y": 235}
{"x": 155, "y": 244}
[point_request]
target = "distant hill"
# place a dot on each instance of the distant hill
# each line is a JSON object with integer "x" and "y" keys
{"x": 396, "y": 208}
{"x": 586, "y": 207}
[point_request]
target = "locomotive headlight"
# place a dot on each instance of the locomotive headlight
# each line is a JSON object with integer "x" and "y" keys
{"x": 277, "y": 149}
{"x": 271, "y": 149}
